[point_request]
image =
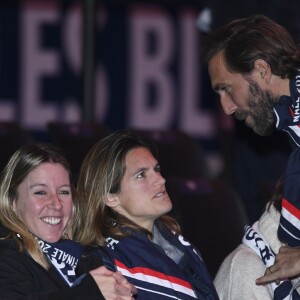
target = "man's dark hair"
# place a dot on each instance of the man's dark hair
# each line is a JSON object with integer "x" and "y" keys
{"x": 245, "y": 40}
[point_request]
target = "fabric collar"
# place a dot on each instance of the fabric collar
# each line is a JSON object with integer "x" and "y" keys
{"x": 287, "y": 111}
{"x": 64, "y": 256}
{"x": 256, "y": 242}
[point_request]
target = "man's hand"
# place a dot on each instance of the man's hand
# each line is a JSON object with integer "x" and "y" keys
{"x": 287, "y": 264}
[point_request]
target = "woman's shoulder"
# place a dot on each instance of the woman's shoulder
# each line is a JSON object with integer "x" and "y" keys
{"x": 242, "y": 259}
{"x": 236, "y": 275}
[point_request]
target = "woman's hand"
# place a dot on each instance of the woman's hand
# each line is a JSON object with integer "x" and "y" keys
{"x": 287, "y": 264}
{"x": 113, "y": 285}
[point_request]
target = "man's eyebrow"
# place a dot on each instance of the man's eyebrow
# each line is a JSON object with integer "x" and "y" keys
{"x": 219, "y": 86}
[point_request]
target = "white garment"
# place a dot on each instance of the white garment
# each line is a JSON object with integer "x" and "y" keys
{"x": 236, "y": 277}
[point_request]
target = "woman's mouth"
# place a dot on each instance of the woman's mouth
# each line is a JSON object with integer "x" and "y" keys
{"x": 51, "y": 220}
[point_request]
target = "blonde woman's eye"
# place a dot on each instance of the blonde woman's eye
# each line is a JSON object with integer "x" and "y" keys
{"x": 40, "y": 193}
{"x": 66, "y": 192}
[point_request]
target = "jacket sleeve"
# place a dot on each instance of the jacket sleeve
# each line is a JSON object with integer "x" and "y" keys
{"x": 289, "y": 229}
{"x": 87, "y": 289}
{"x": 23, "y": 279}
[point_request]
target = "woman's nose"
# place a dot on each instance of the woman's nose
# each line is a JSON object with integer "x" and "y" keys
{"x": 160, "y": 179}
{"x": 55, "y": 203}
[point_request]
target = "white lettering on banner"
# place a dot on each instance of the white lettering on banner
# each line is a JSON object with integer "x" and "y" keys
{"x": 298, "y": 83}
{"x": 55, "y": 251}
{"x": 61, "y": 265}
{"x": 111, "y": 242}
{"x": 147, "y": 68}
{"x": 72, "y": 38}
{"x": 71, "y": 272}
{"x": 183, "y": 241}
{"x": 44, "y": 246}
{"x": 70, "y": 260}
{"x": 64, "y": 257}
{"x": 58, "y": 254}
{"x": 150, "y": 68}
{"x": 296, "y": 110}
{"x": 58, "y": 265}
{"x": 171, "y": 68}
{"x": 72, "y": 46}
{"x": 191, "y": 119}
{"x": 36, "y": 63}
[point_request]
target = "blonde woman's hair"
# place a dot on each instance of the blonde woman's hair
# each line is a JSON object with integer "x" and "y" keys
{"x": 101, "y": 173}
{"x": 22, "y": 162}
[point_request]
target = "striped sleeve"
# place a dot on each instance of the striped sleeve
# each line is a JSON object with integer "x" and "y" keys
{"x": 289, "y": 227}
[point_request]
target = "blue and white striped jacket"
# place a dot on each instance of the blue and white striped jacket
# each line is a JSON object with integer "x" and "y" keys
{"x": 287, "y": 111}
{"x": 155, "y": 275}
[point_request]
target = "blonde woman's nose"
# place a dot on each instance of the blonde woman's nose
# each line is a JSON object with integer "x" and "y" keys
{"x": 55, "y": 202}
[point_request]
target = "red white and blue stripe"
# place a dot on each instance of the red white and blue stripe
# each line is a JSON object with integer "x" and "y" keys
{"x": 156, "y": 275}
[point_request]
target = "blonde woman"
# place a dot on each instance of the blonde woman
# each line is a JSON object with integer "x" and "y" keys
{"x": 37, "y": 213}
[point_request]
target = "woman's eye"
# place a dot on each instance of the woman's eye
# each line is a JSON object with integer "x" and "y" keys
{"x": 40, "y": 193}
{"x": 65, "y": 192}
{"x": 157, "y": 168}
{"x": 141, "y": 175}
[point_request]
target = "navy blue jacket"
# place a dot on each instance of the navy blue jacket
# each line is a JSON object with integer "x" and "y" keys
{"x": 155, "y": 275}
{"x": 287, "y": 111}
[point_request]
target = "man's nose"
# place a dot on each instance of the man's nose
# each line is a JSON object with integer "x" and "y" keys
{"x": 228, "y": 105}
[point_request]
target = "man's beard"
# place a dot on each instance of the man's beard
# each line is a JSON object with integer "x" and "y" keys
{"x": 260, "y": 115}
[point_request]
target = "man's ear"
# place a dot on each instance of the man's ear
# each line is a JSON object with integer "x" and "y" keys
{"x": 112, "y": 200}
{"x": 262, "y": 70}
